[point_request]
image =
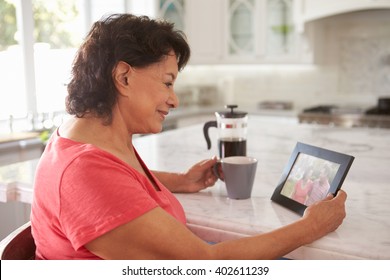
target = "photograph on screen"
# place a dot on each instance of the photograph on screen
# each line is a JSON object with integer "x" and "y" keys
{"x": 309, "y": 179}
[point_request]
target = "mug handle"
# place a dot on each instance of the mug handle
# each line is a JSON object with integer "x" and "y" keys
{"x": 217, "y": 170}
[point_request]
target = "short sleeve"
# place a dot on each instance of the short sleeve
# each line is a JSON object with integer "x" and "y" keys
{"x": 97, "y": 194}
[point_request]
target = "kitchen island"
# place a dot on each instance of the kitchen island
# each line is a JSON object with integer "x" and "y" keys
{"x": 365, "y": 233}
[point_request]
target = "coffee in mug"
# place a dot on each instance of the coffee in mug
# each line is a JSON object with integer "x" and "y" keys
{"x": 238, "y": 173}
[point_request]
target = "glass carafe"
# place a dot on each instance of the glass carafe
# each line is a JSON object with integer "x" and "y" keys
{"x": 232, "y": 132}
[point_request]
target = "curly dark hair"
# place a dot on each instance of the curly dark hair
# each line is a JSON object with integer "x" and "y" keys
{"x": 136, "y": 40}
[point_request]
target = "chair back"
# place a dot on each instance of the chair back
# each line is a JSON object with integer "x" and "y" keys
{"x": 18, "y": 245}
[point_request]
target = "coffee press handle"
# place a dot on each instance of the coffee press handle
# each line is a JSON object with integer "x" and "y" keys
{"x": 231, "y": 107}
{"x": 206, "y": 127}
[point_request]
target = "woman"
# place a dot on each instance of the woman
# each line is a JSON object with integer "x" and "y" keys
{"x": 320, "y": 186}
{"x": 303, "y": 187}
{"x": 94, "y": 197}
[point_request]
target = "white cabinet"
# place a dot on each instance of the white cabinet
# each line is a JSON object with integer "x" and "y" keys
{"x": 244, "y": 24}
{"x": 314, "y": 9}
{"x": 174, "y": 11}
{"x": 238, "y": 31}
{"x": 201, "y": 21}
{"x": 205, "y": 30}
{"x": 262, "y": 31}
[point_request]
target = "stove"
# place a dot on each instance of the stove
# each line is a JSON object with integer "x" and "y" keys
{"x": 378, "y": 116}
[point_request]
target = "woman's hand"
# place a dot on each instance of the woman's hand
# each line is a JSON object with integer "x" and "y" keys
{"x": 198, "y": 177}
{"x": 326, "y": 215}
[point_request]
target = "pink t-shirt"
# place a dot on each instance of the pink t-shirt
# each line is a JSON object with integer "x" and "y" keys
{"x": 301, "y": 192}
{"x": 81, "y": 192}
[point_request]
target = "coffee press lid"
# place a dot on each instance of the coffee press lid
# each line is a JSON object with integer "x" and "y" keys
{"x": 232, "y": 114}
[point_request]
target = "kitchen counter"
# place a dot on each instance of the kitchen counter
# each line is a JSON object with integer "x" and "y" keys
{"x": 365, "y": 233}
{"x": 18, "y": 136}
{"x": 21, "y": 146}
{"x": 19, "y": 140}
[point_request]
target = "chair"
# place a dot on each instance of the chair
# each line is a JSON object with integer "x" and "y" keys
{"x": 18, "y": 245}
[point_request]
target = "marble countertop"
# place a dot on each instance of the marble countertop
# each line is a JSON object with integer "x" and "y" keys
{"x": 365, "y": 233}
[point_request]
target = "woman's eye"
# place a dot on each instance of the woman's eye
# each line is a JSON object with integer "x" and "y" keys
{"x": 169, "y": 84}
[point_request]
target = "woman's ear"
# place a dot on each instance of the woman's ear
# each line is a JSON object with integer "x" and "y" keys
{"x": 120, "y": 75}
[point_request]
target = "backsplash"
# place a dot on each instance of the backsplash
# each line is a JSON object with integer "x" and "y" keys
{"x": 352, "y": 68}
{"x": 365, "y": 65}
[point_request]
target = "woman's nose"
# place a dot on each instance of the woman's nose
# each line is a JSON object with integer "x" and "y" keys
{"x": 173, "y": 100}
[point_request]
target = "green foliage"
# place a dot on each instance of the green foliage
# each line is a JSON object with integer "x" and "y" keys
{"x": 44, "y": 136}
{"x": 52, "y": 21}
{"x": 7, "y": 24}
{"x": 282, "y": 29}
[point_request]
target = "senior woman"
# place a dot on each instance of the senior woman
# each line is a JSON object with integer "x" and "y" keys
{"x": 94, "y": 198}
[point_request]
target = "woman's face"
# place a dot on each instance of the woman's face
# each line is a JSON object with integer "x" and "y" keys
{"x": 151, "y": 96}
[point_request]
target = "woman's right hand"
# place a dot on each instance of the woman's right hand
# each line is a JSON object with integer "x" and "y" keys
{"x": 326, "y": 215}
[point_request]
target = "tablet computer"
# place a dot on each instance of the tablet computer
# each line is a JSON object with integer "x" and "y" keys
{"x": 310, "y": 174}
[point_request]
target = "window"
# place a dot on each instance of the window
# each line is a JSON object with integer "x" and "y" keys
{"x": 12, "y": 91}
{"x": 35, "y": 61}
{"x": 38, "y": 41}
{"x": 57, "y": 35}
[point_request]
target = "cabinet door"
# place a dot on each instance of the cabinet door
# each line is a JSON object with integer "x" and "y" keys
{"x": 262, "y": 31}
{"x": 205, "y": 30}
{"x": 173, "y": 11}
{"x": 280, "y": 39}
{"x": 237, "y": 31}
{"x": 242, "y": 33}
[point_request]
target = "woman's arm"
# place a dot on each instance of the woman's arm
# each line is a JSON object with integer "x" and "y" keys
{"x": 157, "y": 235}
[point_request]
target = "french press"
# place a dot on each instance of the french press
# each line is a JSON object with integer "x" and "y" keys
{"x": 232, "y": 132}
